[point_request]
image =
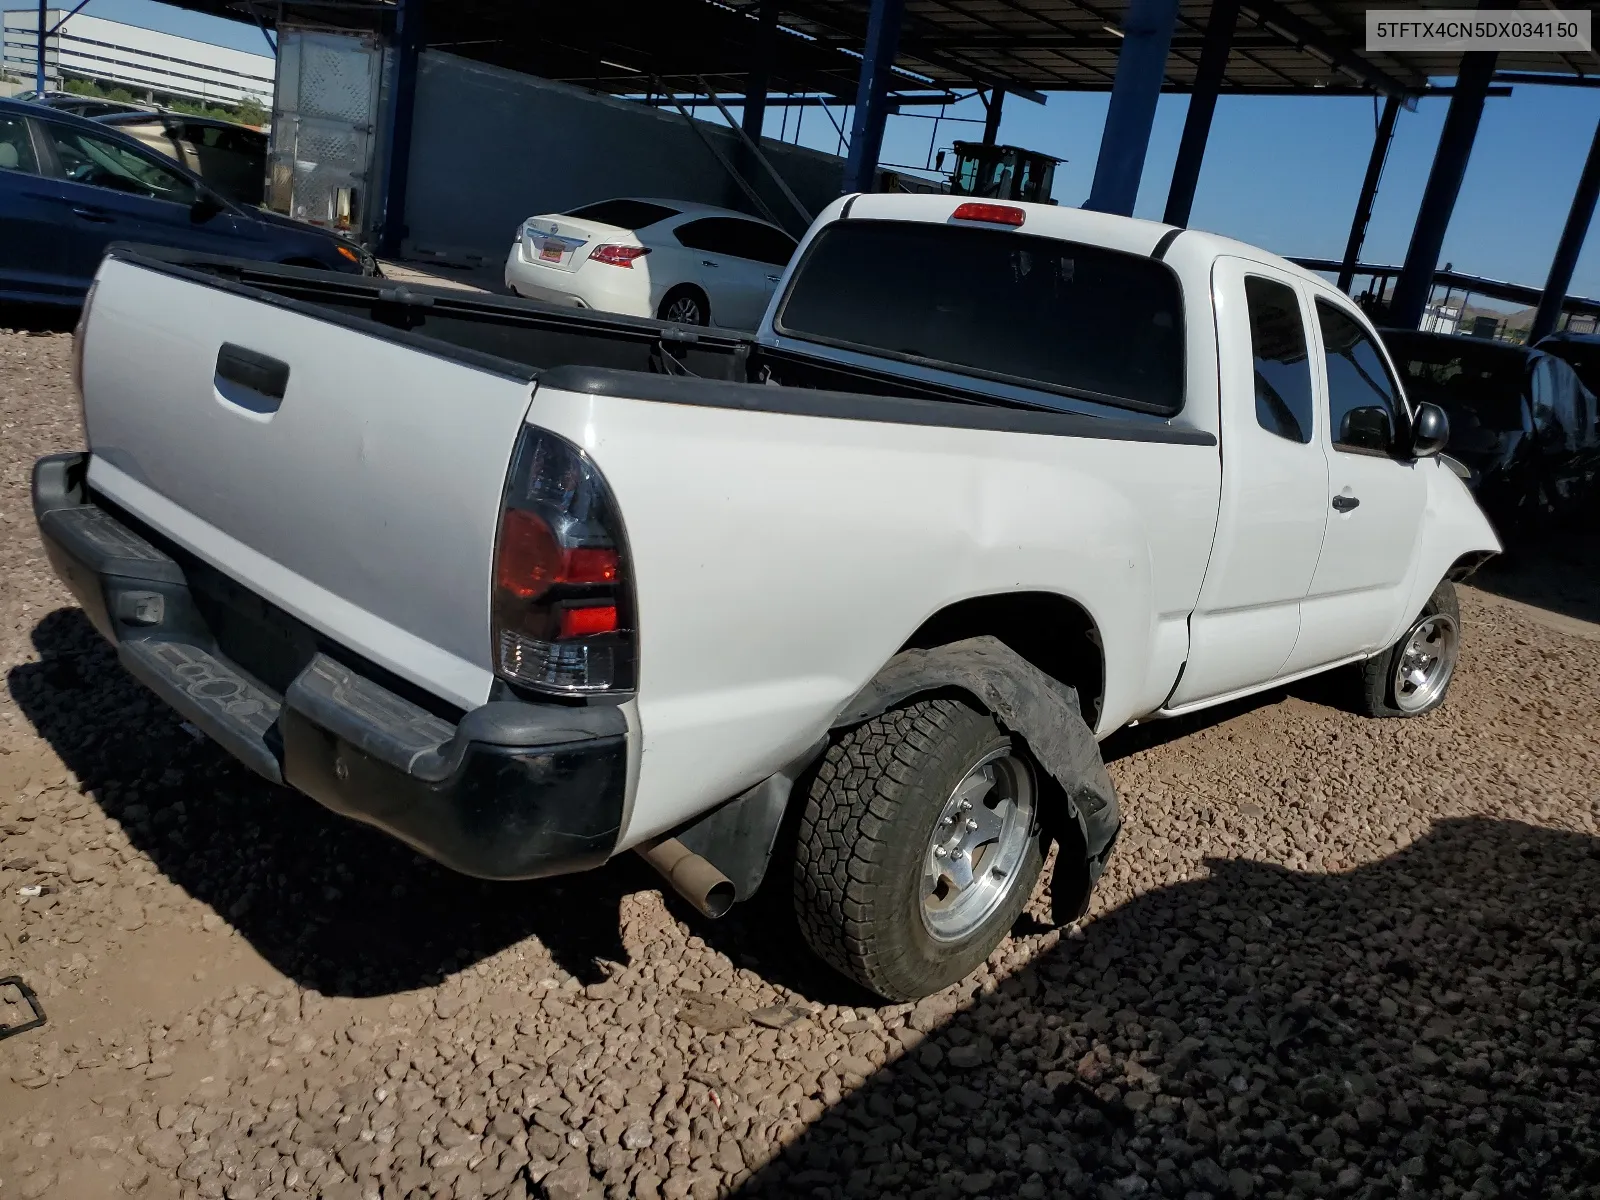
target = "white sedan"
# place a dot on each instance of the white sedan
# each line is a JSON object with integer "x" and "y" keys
{"x": 652, "y": 258}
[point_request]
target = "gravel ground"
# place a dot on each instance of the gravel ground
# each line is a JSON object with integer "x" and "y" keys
{"x": 1331, "y": 957}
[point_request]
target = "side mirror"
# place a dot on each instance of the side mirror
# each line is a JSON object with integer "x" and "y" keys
{"x": 205, "y": 207}
{"x": 1369, "y": 428}
{"x": 1430, "y": 431}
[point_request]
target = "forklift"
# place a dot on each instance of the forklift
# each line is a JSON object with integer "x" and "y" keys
{"x": 992, "y": 172}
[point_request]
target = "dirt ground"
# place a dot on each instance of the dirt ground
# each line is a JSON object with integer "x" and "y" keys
{"x": 1332, "y": 956}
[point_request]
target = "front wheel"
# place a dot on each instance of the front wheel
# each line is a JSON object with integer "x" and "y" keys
{"x": 918, "y": 847}
{"x": 1413, "y": 675}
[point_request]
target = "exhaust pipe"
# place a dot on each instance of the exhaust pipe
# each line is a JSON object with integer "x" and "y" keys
{"x": 691, "y": 876}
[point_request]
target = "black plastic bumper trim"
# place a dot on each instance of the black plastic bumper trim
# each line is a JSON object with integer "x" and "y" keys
{"x": 512, "y": 791}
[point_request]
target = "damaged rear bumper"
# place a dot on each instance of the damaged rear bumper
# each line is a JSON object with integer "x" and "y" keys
{"x": 510, "y": 790}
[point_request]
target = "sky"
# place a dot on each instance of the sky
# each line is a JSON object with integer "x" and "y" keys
{"x": 1282, "y": 173}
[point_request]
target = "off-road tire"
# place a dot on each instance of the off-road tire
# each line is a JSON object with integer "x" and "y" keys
{"x": 865, "y": 827}
{"x": 1375, "y": 697}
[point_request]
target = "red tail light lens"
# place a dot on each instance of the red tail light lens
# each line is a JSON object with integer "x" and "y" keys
{"x": 993, "y": 214}
{"x": 588, "y": 620}
{"x": 618, "y": 256}
{"x": 563, "y": 602}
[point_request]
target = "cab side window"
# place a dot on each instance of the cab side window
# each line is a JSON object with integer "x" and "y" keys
{"x": 1282, "y": 367}
{"x": 1365, "y": 412}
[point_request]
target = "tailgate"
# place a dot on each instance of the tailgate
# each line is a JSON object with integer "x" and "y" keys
{"x": 351, "y": 479}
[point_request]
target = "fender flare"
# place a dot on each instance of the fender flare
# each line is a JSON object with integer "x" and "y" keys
{"x": 1043, "y": 712}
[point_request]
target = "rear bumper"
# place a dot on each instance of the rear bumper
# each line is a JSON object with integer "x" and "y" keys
{"x": 533, "y": 280}
{"x": 511, "y": 790}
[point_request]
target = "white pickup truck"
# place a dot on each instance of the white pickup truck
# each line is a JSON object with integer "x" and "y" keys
{"x": 530, "y": 587}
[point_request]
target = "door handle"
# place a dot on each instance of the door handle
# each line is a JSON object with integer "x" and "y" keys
{"x": 250, "y": 369}
{"x": 98, "y": 215}
{"x": 1345, "y": 503}
{"x": 706, "y": 262}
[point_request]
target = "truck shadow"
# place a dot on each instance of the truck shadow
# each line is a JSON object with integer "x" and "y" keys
{"x": 343, "y": 908}
{"x": 335, "y": 905}
{"x": 1423, "y": 1025}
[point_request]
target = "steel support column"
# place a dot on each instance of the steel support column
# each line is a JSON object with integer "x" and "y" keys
{"x": 759, "y": 81}
{"x": 1570, "y": 245}
{"x": 1444, "y": 185}
{"x": 1369, "y": 192}
{"x": 991, "y": 116}
{"x": 399, "y": 109}
{"x": 38, "y": 85}
{"x": 1202, "y": 105}
{"x": 872, "y": 94}
{"x": 1141, "y": 65}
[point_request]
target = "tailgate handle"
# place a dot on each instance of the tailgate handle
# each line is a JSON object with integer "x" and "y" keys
{"x": 260, "y": 373}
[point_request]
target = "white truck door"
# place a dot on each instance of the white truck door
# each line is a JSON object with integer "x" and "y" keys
{"x": 1375, "y": 499}
{"x": 1274, "y": 486}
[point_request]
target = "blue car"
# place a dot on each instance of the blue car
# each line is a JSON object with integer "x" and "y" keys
{"x": 70, "y": 186}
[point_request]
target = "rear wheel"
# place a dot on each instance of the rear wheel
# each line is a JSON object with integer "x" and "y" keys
{"x": 1413, "y": 675}
{"x": 918, "y": 847}
{"x": 685, "y": 304}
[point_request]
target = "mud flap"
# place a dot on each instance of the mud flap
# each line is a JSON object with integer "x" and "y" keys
{"x": 1044, "y": 713}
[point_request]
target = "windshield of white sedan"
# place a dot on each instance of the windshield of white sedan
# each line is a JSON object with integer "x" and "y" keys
{"x": 1066, "y": 317}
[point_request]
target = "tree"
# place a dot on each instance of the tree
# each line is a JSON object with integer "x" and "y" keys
{"x": 251, "y": 112}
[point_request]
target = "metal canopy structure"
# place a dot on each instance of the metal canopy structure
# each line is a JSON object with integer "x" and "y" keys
{"x": 1312, "y": 47}
{"x": 877, "y": 54}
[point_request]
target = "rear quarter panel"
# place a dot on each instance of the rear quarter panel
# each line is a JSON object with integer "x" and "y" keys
{"x": 781, "y": 560}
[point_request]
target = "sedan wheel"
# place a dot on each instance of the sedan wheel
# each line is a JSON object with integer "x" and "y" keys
{"x": 685, "y": 308}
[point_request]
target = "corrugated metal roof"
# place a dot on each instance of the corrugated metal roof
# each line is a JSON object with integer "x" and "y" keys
{"x": 620, "y": 46}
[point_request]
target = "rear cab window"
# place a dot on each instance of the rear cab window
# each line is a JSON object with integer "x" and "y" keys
{"x": 1048, "y": 314}
{"x": 1279, "y": 360}
{"x": 624, "y": 214}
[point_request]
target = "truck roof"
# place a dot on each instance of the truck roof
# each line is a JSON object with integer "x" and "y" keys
{"x": 1131, "y": 234}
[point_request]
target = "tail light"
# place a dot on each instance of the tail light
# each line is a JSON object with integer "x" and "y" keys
{"x": 563, "y": 617}
{"x": 992, "y": 214}
{"x": 618, "y": 256}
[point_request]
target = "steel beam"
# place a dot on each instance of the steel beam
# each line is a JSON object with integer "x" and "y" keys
{"x": 760, "y": 79}
{"x": 1208, "y": 76}
{"x": 1571, "y": 244}
{"x": 991, "y": 116}
{"x": 1369, "y": 191}
{"x": 866, "y": 130}
{"x": 42, "y": 35}
{"x": 1303, "y": 35}
{"x": 1444, "y": 185}
{"x": 399, "y": 111}
{"x": 1542, "y": 79}
{"x": 1141, "y": 69}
